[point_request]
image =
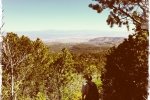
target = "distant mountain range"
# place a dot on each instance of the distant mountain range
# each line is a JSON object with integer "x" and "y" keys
{"x": 106, "y": 41}
{"x": 71, "y": 36}
{"x": 92, "y": 45}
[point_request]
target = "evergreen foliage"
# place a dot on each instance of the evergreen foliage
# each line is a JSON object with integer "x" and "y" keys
{"x": 124, "y": 12}
{"x": 126, "y": 72}
{"x": 39, "y": 74}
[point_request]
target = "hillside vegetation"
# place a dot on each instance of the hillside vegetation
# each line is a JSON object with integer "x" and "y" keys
{"x": 34, "y": 70}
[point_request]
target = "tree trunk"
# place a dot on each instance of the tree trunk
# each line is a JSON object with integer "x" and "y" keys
{"x": 12, "y": 84}
{"x": 12, "y": 79}
{"x": 59, "y": 94}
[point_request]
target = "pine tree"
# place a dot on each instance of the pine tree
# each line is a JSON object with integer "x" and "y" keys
{"x": 62, "y": 71}
{"x": 126, "y": 71}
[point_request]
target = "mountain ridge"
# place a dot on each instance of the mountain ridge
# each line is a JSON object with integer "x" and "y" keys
{"x": 94, "y": 44}
{"x": 106, "y": 40}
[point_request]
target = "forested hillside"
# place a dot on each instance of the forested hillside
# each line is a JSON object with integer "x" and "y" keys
{"x": 35, "y": 70}
{"x": 93, "y": 45}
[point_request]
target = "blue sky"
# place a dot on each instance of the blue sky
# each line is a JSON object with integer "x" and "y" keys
{"x": 56, "y": 15}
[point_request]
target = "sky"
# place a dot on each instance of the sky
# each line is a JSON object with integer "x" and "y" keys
{"x": 56, "y": 17}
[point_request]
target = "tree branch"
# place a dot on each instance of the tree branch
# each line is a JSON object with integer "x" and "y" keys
{"x": 128, "y": 15}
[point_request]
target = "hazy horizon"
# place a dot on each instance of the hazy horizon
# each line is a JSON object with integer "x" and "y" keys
{"x": 69, "y": 36}
{"x": 52, "y": 19}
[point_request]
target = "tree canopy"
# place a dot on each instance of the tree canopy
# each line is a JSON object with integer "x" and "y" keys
{"x": 126, "y": 72}
{"x": 124, "y": 12}
{"x": 37, "y": 73}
